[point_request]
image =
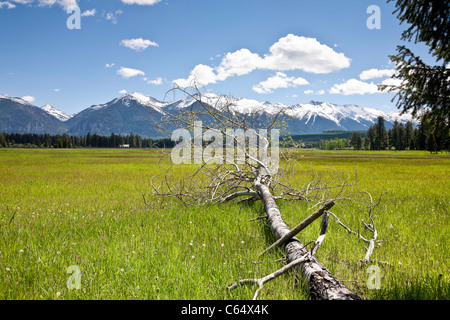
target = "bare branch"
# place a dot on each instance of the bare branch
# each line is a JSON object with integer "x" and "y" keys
{"x": 260, "y": 282}
{"x": 300, "y": 226}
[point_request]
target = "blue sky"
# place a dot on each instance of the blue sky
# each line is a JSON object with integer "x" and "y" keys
{"x": 288, "y": 51}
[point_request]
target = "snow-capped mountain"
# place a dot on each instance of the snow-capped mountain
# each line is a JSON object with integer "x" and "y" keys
{"x": 311, "y": 117}
{"x": 58, "y": 114}
{"x": 15, "y": 99}
{"x": 130, "y": 113}
{"x": 136, "y": 112}
{"x": 20, "y": 116}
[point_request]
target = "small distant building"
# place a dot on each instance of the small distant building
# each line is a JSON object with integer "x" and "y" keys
{"x": 124, "y": 146}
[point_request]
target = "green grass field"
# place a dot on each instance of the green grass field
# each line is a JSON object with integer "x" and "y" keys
{"x": 83, "y": 207}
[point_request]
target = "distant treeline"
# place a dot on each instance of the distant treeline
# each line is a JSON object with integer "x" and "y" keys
{"x": 377, "y": 137}
{"x": 399, "y": 137}
{"x": 405, "y": 137}
{"x": 90, "y": 140}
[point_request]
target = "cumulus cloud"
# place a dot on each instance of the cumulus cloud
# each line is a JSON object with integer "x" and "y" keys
{"x": 127, "y": 73}
{"x": 7, "y": 5}
{"x": 238, "y": 63}
{"x": 300, "y": 53}
{"x": 89, "y": 13}
{"x": 112, "y": 16}
{"x": 138, "y": 44}
{"x": 354, "y": 86}
{"x": 320, "y": 92}
{"x": 109, "y": 65}
{"x": 29, "y": 99}
{"x": 123, "y": 91}
{"x": 288, "y": 53}
{"x": 280, "y": 80}
{"x": 201, "y": 75}
{"x": 141, "y": 2}
{"x": 391, "y": 82}
{"x": 63, "y": 3}
{"x": 156, "y": 82}
{"x": 376, "y": 73}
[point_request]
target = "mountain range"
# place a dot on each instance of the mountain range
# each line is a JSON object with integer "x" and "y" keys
{"x": 135, "y": 112}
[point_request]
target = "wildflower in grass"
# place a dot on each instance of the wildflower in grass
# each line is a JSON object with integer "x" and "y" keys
{"x": 7, "y": 269}
{"x": 57, "y": 252}
{"x": 222, "y": 245}
{"x": 21, "y": 250}
{"x": 58, "y": 294}
{"x": 193, "y": 257}
{"x": 122, "y": 270}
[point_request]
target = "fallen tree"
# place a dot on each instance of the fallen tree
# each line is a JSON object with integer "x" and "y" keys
{"x": 244, "y": 171}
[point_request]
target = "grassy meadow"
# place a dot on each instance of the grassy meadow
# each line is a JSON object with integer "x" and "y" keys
{"x": 84, "y": 207}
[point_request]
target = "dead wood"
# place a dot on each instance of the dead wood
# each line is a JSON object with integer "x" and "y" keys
{"x": 300, "y": 226}
{"x": 257, "y": 179}
{"x": 323, "y": 285}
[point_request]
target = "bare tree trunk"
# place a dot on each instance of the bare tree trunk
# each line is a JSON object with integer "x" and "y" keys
{"x": 323, "y": 285}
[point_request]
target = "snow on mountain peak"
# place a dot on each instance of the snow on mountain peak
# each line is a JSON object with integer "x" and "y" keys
{"x": 18, "y": 100}
{"x": 58, "y": 114}
{"x": 143, "y": 99}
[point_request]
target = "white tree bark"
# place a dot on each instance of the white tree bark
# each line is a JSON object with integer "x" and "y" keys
{"x": 323, "y": 285}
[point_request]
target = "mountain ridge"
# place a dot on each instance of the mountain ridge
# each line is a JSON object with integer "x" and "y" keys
{"x": 135, "y": 112}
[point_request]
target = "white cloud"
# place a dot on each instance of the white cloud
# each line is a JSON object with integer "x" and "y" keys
{"x": 123, "y": 91}
{"x": 391, "y": 82}
{"x": 141, "y": 2}
{"x": 320, "y": 92}
{"x": 89, "y": 13}
{"x": 238, "y": 63}
{"x": 63, "y": 3}
{"x": 376, "y": 73}
{"x": 156, "y": 82}
{"x": 127, "y": 73}
{"x": 201, "y": 75}
{"x": 109, "y": 65}
{"x": 7, "y": 5}
{"x": 44, "y": 3}
{"x": 354, "y": 86}
{"x": 280, "y": 80}
{"x": 138, "y": 44}
{"x": 112, "y": 16}
{"x": 288, "y": 53}
{"x": 29, "y": 99}
{"x": 300, "y": 53}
